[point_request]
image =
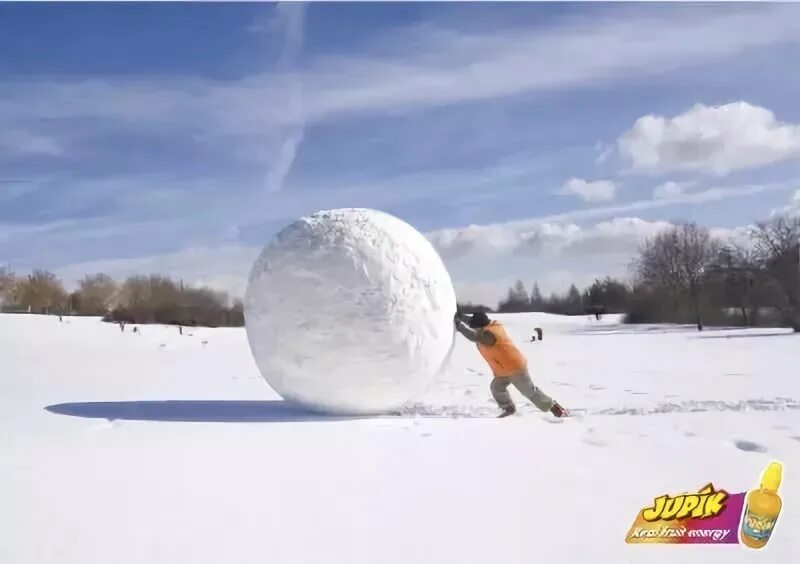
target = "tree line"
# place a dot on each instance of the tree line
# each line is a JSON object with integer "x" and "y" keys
{"x": 686, "y": 275}
{"x": 137, "y": 299}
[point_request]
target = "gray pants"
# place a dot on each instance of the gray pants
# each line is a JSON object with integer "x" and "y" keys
{"x": 526, "y": 387}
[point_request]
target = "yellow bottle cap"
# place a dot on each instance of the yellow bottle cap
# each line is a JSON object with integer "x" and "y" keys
{"x": 771, "y": 478}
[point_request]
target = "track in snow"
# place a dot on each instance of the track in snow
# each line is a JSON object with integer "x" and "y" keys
{"x": 455, "y": 411}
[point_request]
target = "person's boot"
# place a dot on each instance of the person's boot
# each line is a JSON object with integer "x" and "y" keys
{"x": 509, "y": 410}
{"x": 558, "y": 411}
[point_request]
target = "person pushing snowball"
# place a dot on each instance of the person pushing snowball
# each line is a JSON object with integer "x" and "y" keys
{"x": 509, "y": 366}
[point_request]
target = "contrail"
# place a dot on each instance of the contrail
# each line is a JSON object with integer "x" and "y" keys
{"x": 292, "y": 17}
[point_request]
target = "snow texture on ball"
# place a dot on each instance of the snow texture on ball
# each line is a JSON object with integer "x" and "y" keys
{"x": 350, "y": 311}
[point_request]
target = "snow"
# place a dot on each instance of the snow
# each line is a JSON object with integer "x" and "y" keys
{"x": 350, "y": 311}
{"x": 217, "y": 468}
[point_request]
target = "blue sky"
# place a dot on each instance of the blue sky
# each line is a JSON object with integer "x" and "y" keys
{"x": 533, "y": 141}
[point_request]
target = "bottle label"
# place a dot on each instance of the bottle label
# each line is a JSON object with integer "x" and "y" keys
{"x": 757, "y": 526}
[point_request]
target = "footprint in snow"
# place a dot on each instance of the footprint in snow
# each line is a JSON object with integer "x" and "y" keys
{"x": 749, "y": 446}
{"x": 593, "y": 387}
{"x": 796, "y": 438}
{"x": 592, "y": 439}
{"x": 562, "y": 383}
{"x": 553, "y": 420}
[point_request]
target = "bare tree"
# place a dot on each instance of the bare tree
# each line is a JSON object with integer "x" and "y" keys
{"x": 43, "y": 292}
{"x": 158, "y": 299}
{"x": 204, "y": 305}
{"x": 675, "y": 260}
{"x": 735, "y": 274}
{"x": 134, "y": 293}
{"x": 96, "y": 294}
{"x": 8, "y": 284}
{"x": 777, "y": 249}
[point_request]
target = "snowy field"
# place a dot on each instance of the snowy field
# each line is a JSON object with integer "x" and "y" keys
{"x": 160, "y": 448}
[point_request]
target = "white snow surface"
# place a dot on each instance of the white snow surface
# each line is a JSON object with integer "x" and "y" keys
{"x": 161, "y": 448}
{"x": 350, "y": 311}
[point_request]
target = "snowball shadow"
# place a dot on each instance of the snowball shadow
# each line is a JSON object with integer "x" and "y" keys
{"x": 198, "y": 411}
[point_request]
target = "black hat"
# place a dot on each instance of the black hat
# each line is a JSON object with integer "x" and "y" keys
{"x": 479, "y": 319}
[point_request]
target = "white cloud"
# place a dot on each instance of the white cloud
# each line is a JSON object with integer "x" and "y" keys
{"x": 669, "y": 190}
{"x": 716, "y": 139}
{"x": 556, "y": 252}
{"x": 712, "y": 194}
{"x": 589, "y": 191}
{"x": 25, "y": 143}
{"x": 604, "y": 152}
{"x": 553, "y": 255}
{"x": 534, "y": 237}
{"x": 486, "y": 293}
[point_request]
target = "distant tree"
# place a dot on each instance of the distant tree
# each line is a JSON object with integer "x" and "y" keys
{"x": 777, "y": 250}
{"x": 96, "y": 294}
{"x": 519, "y": 293}
{"x": 43, "y": 292}
{"x": 537, "y": 300}
{"x": 574, "y": 301}
{"x": 158, "y": 299}
{"x": 204, "y": 305}
{"x": 675, "y": 260}
{"x": 8, "y": 285}
{"x": 134, "y": 294}
{"x": 735, "y": 280}
{"x": 164, "y": 293}
{"x": 607, "y": 295}
{"x": 236, "y": 316}
{"x": 518, "y": 299}
{"x": 74, "y": 302}
{"x": 147, "y": 299}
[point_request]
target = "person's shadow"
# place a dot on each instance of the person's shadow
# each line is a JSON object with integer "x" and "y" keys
{"x": 210, "y": 411}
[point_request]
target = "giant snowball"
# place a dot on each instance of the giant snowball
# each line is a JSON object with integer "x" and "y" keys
{"x": 349, "y": 311}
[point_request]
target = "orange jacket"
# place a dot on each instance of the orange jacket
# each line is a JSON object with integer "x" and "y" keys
{"x": 504, "y": 358}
